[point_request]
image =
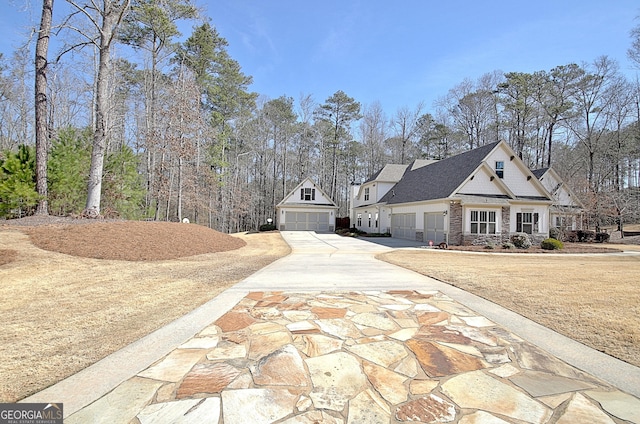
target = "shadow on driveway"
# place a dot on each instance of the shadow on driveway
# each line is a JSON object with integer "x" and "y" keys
{"x": 394, "y": 243}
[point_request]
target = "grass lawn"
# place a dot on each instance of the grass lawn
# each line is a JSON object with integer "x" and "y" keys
{"x": 594, "y": 299}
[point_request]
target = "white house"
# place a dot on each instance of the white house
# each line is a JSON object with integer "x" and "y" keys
{"x": 483, "y": 195}
{"x": 306, "y": 208}
{"x": 567, "y": 210}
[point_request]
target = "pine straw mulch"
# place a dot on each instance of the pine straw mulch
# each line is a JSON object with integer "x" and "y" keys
{"x": 76, "y": 290}
{"x": 124, "y": 240}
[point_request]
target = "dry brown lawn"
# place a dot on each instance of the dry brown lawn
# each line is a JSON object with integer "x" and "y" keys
{"x": 594, "y": 299}
{"x": 61, "y": 313}
{"x": 118, "y": 281}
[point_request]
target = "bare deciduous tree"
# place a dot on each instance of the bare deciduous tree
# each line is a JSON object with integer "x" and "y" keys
{"x": 41, "y": 128}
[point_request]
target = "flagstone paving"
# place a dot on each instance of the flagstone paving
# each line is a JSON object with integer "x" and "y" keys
{"x": 359, "y": 357}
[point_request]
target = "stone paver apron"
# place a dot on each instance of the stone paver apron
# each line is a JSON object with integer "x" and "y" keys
{"x": 359, "y": 357}
{"x": 331, "y": 335}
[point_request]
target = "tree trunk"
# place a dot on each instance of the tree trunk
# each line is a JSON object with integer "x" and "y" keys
{"x": 111, "y": 17}
{"x": 179, "y": 194}
{"x": 42, "y": 133}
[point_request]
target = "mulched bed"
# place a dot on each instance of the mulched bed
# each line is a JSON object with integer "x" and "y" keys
{"x": 568, "y": 248}
{"x": 124, "y": 240}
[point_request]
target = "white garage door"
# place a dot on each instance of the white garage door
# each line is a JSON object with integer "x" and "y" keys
{"x": 403, "y": 225}
{"x": 434, "y": 228}
{"x": 307, "y": 221}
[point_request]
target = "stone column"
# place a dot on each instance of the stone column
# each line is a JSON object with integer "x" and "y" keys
{"x": 455, "y": 224}
{"x": 506, "y": 223}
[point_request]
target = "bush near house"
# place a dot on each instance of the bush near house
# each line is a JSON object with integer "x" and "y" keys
{"x": 521, "y": 240}
{"x": 551, "y": 244}
{"x": 586, "y": 236}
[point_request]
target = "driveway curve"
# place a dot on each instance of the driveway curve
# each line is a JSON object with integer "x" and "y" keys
{"x": 325, "y": 274}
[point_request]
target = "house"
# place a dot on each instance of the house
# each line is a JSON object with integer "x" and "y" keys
{"x": 306, "y": 208}
{"x": 566, "y": 213}
{"x": 481, "y": 196}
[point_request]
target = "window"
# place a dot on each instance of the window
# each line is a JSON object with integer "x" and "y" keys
{"x": 359, "y": 220}
{"x": 527, "y": 222}
{"x": 366, "y": 194}
{"x": 376, "y": 220}
{"x": 307, "y": 194}
{"x": 500, "y": 169}
{"x": 483, "y": 222}
{"x": 369, "y": 220}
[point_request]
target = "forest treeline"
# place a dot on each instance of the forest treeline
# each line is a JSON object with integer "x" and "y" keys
{"x": 178, "y": 133}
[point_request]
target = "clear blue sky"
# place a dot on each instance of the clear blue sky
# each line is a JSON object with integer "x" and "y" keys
{"x": 396, "y": 52}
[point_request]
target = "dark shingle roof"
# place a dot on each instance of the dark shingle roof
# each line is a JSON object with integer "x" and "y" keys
{"x": 437, "y": 180}
{"x": 538, "y": 173}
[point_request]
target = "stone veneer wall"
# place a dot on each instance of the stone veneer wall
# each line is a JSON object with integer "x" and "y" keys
{"x": 455, "y": 224}
{"x": 506, "y": 223}
{"x": 484, "y": 239}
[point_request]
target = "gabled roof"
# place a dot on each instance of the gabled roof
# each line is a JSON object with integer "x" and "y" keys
{"x": 444, "y": 177}
{"x": 389, "y": 173}
{"x": 540, "y": 173}
{"x": 295, "y": 191}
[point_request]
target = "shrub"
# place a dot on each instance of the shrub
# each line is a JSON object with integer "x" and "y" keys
{"x": 586, "y": 236}
{"x": 267, "y": 227}
{"x": 551, "y": 244}
{"x": 555, "y": 233}
{"x": 602, "y": 237}
{"x": 508, "y": 245}
{"x": 571, "y": 236}
{"x": 521, "y": 240}
{"x": 489, "y": 246}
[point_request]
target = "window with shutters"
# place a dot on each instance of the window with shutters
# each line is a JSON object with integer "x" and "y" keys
{"x": 527, "y": 222}
{"x": 307, "y": 194}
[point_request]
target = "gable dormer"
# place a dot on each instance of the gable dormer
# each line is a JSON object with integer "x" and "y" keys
{"x": 510, "y": 170}
{"x": 307, "y": 192}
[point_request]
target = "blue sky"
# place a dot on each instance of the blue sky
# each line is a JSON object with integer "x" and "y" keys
{"x": 399, "y": 52}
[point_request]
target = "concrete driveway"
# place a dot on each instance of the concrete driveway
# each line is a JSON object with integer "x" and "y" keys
{"x": 359, "y": 310}
{"x": 322, "y": 261}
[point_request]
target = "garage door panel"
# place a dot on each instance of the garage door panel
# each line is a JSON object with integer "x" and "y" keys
{"x": 307, "y": 221}
{"x": 434, "y": 229}
{"x": 403, "y": 225}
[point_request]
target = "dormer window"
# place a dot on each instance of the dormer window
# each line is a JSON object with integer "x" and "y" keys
{"x": 366, "y": 194}
{"x": 307, "y": 194}
{"x": 500, "y": 169}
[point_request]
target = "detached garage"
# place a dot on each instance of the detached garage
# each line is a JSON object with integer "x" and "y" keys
{"x": 306, "y": 208}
